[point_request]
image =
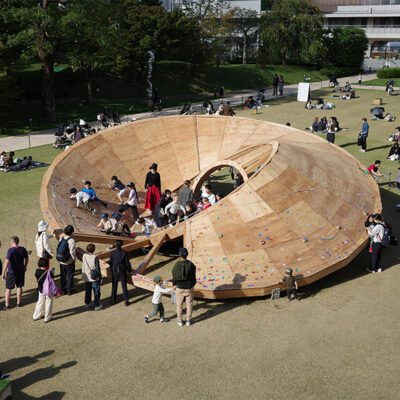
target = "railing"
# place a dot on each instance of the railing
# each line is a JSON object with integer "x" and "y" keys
{"x": 374, "y": 29}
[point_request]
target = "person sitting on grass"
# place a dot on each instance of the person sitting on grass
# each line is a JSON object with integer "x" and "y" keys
{"x": 156, "y": 301}
{"x": 291, "y": 284}
{"x": 117, "y": 185}
{"x": 174, "y": 210}
{"x": 373, "y": 169}
{"x": 323, "y": 122}
{"x": 314, "y": 128}
{"x": 92, "y": 194}
{"x": 105, "y": 224}
{"x": 81, "y": 198}
{"x": 394, "y": 152}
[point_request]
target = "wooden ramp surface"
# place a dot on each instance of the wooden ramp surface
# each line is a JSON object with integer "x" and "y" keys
{"x": 302, "y": 204}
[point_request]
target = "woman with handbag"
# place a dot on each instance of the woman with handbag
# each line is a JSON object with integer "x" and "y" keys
{"x": 45, "y": 299}
{"x": 42, "y": 242}
{"x": 91, "y": 275}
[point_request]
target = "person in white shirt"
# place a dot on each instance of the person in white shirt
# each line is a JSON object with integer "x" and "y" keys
{"x": 174, "y": 210}
{"x": 105, "y": 224}
{"x": 156, "y": 301}
{"x": 376, "y": 233}
{"x": 131, "y": 202}
{"x": 81, "y": 198}
{"x": 207, "y": 192}
{"x": 42, "y": 243}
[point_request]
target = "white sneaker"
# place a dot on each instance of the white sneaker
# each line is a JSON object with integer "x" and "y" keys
{"x": 161, "y": 319}
{"x": 180, "y": 323}
{"x": 98, "y": 308}
{"x": 379, "y": 270}
{"x": 188, "y": 323}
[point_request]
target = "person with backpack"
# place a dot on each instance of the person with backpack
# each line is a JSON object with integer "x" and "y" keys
{"x": 91, "y": 275}
{"x": 66, "y": 256}
{"x": 380, "y": 238}
{"x": 44, "y": 304}
{"x": 184, "y": 278}
{"x": 120, "y": 267}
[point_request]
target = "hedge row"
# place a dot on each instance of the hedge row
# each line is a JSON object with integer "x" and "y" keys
{"x": 339, "y": 72}
{"x": 389, "y": 73}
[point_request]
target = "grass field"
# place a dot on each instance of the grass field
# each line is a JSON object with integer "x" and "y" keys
{"x": 376, "y": 82}
{"x": 337, "y": 343}
{"x": 175, "y": 81}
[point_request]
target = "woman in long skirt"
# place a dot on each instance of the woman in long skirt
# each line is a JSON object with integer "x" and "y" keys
{"x": 153, "y": 188}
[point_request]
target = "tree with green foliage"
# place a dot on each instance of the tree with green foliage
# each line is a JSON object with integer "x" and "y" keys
{"x": 36, "y": 35}
{"x": 289, "y": 29}
{"x": 244, "y": 23}
{"x": 93, "y": 40}
{"x": 345, "y": 46}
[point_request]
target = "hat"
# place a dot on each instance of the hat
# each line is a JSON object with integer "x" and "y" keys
{"x": 116, "y": 215}
{"x": 289, "y": 271}
{"x": 104, "y": 216}
{"x": 130, "y": 184}
{"x": 42, "y": 226}
{"x": 183, "y": 252}
{"x": 153, "y": 166}
{"x": 157, "y": 279}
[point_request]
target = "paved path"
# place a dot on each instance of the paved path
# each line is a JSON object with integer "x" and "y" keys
{"x": 44, "y": 137}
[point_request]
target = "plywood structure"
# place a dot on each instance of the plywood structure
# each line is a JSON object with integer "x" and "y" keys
{"x": 301, "y": 205}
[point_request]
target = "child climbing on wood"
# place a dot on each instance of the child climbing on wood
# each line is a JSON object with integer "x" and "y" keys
{"x": 156, "y": 300}
{"x": 81, "y": 198}
{"x": 117, "y": 185}
{"x": 291, "y": 284}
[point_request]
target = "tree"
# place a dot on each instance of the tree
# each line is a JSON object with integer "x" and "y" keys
{"x": 36, "y": 33}
{"x": 289, "y": 29}
{"x": 92, "y": 39}
{"x": 345, "y": 46}
{"x": 244, "y": 23}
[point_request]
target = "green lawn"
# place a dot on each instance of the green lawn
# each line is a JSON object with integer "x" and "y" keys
{"x": 377, "y": 82}
{"x": 176, "y": 82}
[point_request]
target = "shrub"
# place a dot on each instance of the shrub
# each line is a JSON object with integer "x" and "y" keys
{"x": 339, "y": 71}
{"x": 389, "y": 73}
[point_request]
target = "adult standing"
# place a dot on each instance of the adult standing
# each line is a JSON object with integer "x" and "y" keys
{"x": 281, "y": 82}
{"x": 152, "y": 185}
{"x": 120, "y": 267}
{"x": 376, "y": 233}
{"x": 185, "y": 194}
{"x": 275, "y": 81}
{"x": 91, "y": 275}
{"x": 330, "y": 135}
{"x": 184, "y": 278}
{"x": 66, "y": 256}
{"x": 42, "y": 243}
{"x": 15, "y": 266}
{"x": 363, "y": 135}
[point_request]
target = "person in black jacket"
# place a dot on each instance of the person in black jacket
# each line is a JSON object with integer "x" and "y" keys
{"x": 152, "y": 185}
{"x": 184, "y": 278}
{"x": 120, "y": 267}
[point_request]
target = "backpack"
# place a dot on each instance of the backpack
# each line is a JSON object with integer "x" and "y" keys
{"x": 385, "y": 240}
{"x": 63, "y": 255}
{"x": 49, "y": 286}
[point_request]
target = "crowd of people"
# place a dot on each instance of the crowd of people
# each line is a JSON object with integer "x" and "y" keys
{"x": 10, "y": 163}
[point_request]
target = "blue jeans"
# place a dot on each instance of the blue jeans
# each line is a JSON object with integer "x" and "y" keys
{"x": 95, "y": 286}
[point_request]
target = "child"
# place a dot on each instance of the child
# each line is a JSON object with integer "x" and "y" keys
{"x": 291, "y": 284}
{"x": 92, "y": 194}
{"x": 91, "y": 275}
{"x": 105, "y": 224}
{"x": 156, "y": 301}
{"x": 118, "y": 227}
{"x": 148, "y": 224}
{"x": 174, "y": 210}
{"x": 206, "y": 203}
{"x": 44, "y": 303}
{"x": 207, "y": 192}
{"x": 117, "y": 185}
{"x": 81, "y": 198}
{"x": 132, "y": 201}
